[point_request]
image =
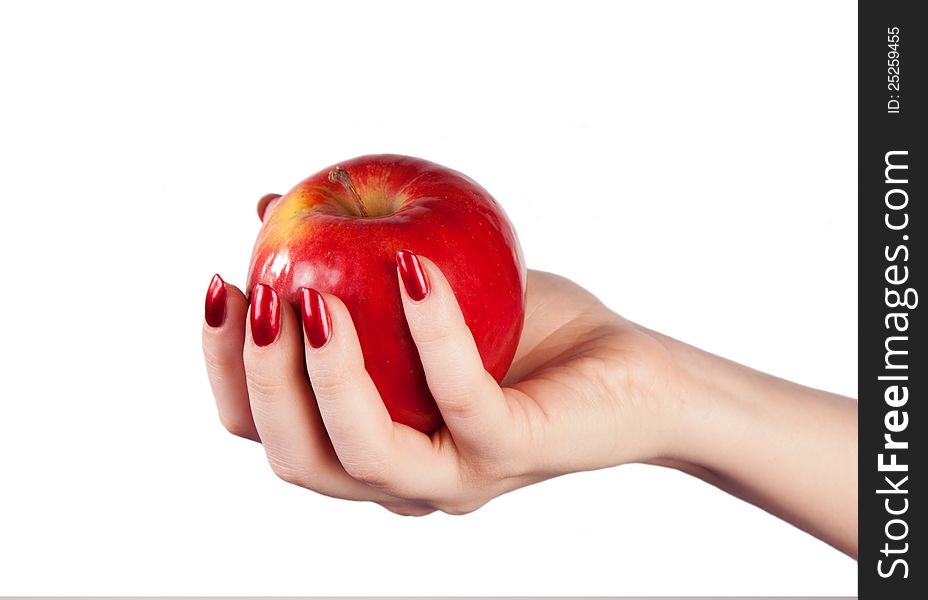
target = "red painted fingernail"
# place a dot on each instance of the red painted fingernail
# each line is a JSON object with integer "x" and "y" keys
{"x": 265, "y": 315}
{"x": 417, "y": 284}
{"x": 316, "y": 320}
{"x": 216, "y": 302}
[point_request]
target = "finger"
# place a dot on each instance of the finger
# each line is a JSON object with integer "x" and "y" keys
{"x": 471, "y": 402}
{"x": 282, "y": 402}
{"x": 264, "y": 203}
{"x": 223, "y": 340}
{"x": 371, "y": 447}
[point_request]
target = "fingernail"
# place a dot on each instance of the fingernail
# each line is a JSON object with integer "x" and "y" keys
{"x": 216, "y": 302}
{"x": 265, "y": 315}
{"x": 265, "y": 202}
{"x": 316, "y": 320}
{"x": 417, "y": 284}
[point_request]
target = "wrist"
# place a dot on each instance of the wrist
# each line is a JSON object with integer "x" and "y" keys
{"x": 700, "y": 409}
{"x": 666, "y": 381}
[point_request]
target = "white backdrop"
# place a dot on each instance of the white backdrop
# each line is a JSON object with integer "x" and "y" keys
{"x": 693, "y": 164}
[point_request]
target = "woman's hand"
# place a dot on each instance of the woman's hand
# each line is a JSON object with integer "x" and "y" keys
{"x": 587, "y": 389}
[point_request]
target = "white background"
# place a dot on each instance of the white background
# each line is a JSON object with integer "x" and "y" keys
{"x": 693, "y": 164}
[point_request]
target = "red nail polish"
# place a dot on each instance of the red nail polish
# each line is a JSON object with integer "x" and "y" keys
{"x": 417, "y": 284}
{"x": 265, "y": 315}
{"x": 316, "y": 320}
{"x": 216, "y": 302}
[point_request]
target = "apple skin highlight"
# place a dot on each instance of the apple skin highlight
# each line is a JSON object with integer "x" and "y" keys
{"x": 317, "y": 236}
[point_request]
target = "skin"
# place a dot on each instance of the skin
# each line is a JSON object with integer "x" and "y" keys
{"x": 588, "y": 389}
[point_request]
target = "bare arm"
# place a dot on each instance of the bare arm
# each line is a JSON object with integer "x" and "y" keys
{"x": 787, "y": 448}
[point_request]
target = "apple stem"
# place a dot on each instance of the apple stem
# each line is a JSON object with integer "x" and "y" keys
{"x": 341, "y": 176}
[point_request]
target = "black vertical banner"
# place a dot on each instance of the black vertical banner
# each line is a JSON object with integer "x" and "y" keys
{"x": 893, "y": 367}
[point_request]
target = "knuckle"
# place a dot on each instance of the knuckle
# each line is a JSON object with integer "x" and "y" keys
{"x": 459, "y": 507}
{"x": 291, "y": 473}
{"x": 374, "y": 473}
{"x": 264, "y": 384}
{"x": 328, "y": 382}
{"x": 218, "y": 360}
{"x": 237, "y": 425}
{"x": 432, "y": 334}
{"x": 470, "y": 492}
{"x": 458, "y": 392}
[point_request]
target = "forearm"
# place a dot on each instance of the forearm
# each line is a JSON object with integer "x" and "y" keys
{"x": 787, "y": 448}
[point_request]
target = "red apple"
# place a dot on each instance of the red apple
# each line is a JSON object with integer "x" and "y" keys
{"x": 338, "y": 232}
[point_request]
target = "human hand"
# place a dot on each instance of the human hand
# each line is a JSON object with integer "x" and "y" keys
{"x": 587, "y": 389}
